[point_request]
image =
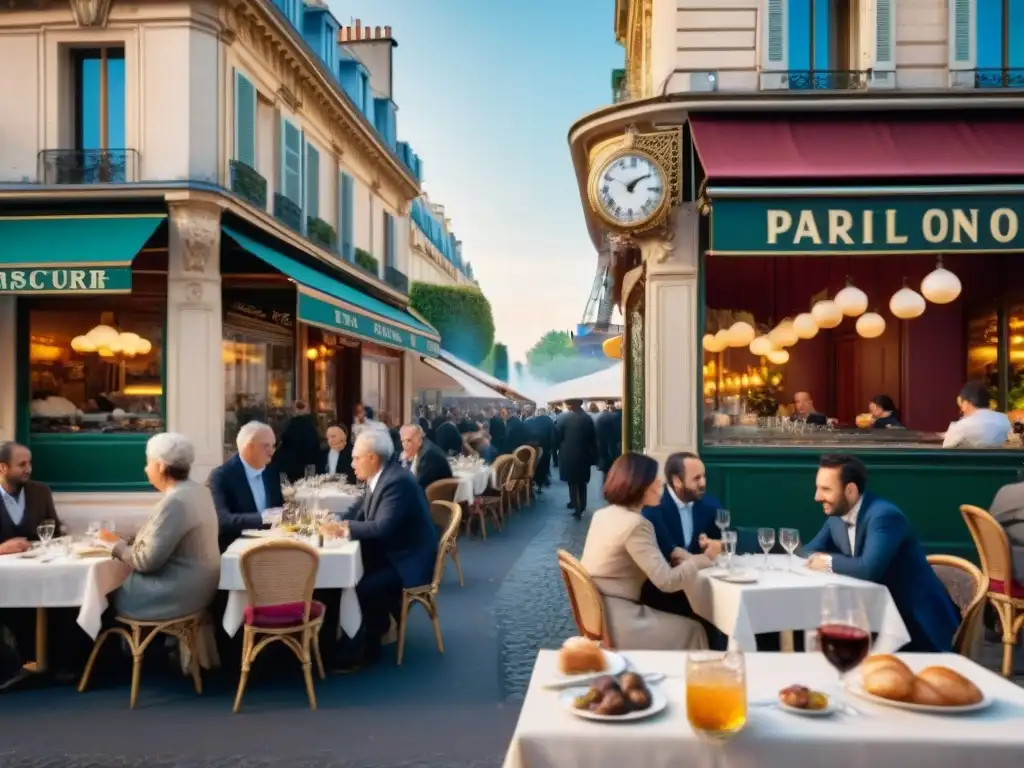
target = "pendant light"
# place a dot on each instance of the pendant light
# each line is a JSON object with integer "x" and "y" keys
{"x": 940, "y": 286}
{"x": 804, "y": 326}
{"x": 778, "y": 357}
{"x": 761, "y": 346}
{"x": 852, "y": 301}
{"x": 711, "y": 343}
{"x": 826, "y": 314}
{"x": 870, "y": 325}
{"x": 783, "y": 335}
{"x": 741, "y": 334}
{"x": 906, "y": 303}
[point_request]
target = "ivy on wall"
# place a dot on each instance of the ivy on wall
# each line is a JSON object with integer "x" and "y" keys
{"x": 463, "y": 317}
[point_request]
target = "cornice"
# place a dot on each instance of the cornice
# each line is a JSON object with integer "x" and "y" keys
{"x": 261, "y": 27}
{"x": 422, "y": 243}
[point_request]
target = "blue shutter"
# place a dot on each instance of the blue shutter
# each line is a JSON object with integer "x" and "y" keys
{"x": 312, "y": 182}
{"x": 346, "y": 205}
{"x": 245, "y": 121}
{"x": 389, "y": 240}
{"x": 291, "y": 162}
{"x": 968, "y": 26}
{"x": 775, "y": 59}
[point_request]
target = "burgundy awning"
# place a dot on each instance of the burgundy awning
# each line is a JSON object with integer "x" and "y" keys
{"x": 817, "y": 148}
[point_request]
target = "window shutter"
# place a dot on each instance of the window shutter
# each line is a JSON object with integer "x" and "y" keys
{"x": 963, "y": 42}
{"x": 312, "y": 182}
{"x": 245, "y": 121}
{"x": 880, "y": 58}
{"x": 345, "y": 216}
{"x": 775, "y": 33}
{"x": 291, "y": 162}
{"x": 389, "y": 239}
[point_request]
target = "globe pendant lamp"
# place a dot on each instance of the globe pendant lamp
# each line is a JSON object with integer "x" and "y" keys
{"x": 852, "y": 301}
{"x": 804, "y": 326}
{"x": 870, "y": 325}
{"x": 711, "y": 343}
{"x": 826, "y": 314}
{"x": 778, "y": 357}
{"x": 783, "y": 335}
{"x": 906, "y": 303}
{"x": 761, "y": 346}
{"x": 940, "y": 286}
{"x": 741, "y": 334}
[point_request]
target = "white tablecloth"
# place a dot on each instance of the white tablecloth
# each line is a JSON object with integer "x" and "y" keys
{"x": 878, "y": 737}
{"x": 338, "y": 503}
{"x": 341, "y": 567}
{"x": 783, "y": 600}
{"x": 68, "y": 582}
{"x": 471, "y": 483}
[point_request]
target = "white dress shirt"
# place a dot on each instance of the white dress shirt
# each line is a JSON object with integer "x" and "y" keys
{"x": 685, "y": 517}
{"x": 259, "y": 491}
{"x": 371, "y": 484}
{"x": 15, "y": 505}
{"x": 982, "y": 429}
{"x": 332, "y": 461}
{"x": 850, "y": 518}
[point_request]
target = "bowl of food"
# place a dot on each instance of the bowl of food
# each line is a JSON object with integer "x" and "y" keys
{"x": 621, "y": 697}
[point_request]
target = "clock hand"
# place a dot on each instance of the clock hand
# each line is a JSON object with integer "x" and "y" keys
{"x": 632, "y": 185}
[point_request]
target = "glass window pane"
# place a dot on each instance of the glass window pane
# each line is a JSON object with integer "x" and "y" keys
{"x": 258, "y": 382}
{"x": 115, "y": 103}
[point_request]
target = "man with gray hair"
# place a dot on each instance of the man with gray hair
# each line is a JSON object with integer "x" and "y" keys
{"x": 245, "y": 486}
{"x": 425, "y": 460}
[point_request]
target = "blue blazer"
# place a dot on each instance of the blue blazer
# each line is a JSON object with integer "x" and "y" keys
{"x": 888, "y": 552}
{"x": 668, "y": 527}
{"x": 232, "y": 497}
{"x": 397, "y": 518}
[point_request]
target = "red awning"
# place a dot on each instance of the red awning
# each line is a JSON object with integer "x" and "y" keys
{"x": 815, "y": 148}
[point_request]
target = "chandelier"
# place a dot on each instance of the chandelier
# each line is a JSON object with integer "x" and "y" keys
{"x": 106, "y": 341}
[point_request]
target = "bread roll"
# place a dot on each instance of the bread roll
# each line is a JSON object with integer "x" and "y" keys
{"x": 941, "y": 686}
{"x": 580, "y": 656}
{"x": 888, "y": 677}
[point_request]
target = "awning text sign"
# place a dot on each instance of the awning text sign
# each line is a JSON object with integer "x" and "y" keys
{"x": 85, "y": 279}
{"x": 895, "y": 224}
{"x": 327, "y": 315}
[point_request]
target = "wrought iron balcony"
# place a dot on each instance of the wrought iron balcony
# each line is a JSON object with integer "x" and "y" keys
{"x": 827, "y": 80}
{"x": 999, "y": 78}
{"x": 88, "y": 166}
{"x": 396, "y": 279}
{"x": 288, "y": 212}
{"x": 321, "y": 233}
{"x": 248, "y": 184}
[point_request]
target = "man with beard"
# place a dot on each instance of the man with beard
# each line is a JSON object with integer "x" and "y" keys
{"x": 869, "y": 538}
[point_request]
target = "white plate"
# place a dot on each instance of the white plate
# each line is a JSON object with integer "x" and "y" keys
{"x": 613, "y": 665}
{"x": 262, "y": 533}
{"x": 658, "y": 703}
{"x": 746, "y": 576}
{"x": 830, "y": 709}
{"x": 856, "y": 689}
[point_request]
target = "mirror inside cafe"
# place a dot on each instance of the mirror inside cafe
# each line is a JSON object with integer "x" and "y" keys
{"x": 864, "y": 351}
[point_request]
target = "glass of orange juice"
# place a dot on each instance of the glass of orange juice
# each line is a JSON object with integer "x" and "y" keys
{"x": 716, "y": 694}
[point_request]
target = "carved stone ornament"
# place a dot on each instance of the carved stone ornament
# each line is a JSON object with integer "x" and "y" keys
{"x": 91, "y": 13}
{"x": 199, "y": 234}
{"x": 194, "y": 292}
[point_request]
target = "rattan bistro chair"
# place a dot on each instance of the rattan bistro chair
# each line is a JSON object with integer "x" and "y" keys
{"x": 427, "y": 594}
{"x": 585, "y": 600}
{"x": 967, "y": 587}
{"x": 444, "y": 490}
{"x": 279, "y": 577}
{"x": 527, "y": 456}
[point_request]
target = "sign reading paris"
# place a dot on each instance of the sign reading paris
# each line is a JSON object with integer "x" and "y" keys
{"x": 935, "y": 224}
{"x": 61, "y": 280}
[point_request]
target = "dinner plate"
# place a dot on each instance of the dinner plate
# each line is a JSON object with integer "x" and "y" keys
{"x": 262, "y": 533}
{"x": 832, "y": 708}
{"x": 856, "y": 689}
{"x": 613, "y": 665}
{"x": 658, "y": 703}
{"x": 746, "y": 576}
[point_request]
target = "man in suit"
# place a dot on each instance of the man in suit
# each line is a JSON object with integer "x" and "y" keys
{"x": 447, "y": 435}
{"x": 516, "y": 433}
{"x": 398, "y": 540}
{"x": 542, "y": 436}
{"x": 871, "y": 539}
{"x": 609, "y": 436}
{"x": 245, "y": 486}
{"x": 337, "y": 459}
{"x": 576, "y": 439}
{"x": 421, "y": 457}
{"x": 300, "y": 444}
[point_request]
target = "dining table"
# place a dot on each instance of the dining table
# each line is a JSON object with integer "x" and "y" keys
{"x": 337, "y": 500}
{"x": 473, "y": 482}
{"x": 858, "y": 734}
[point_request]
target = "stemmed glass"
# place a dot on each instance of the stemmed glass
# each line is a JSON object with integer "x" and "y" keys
{"x": 729, "y": 539}
{"x": 722, "y": 519}
{"x": 45, "y": 531}
{"x": 789, "y": 538}
{"x": 844, "y": 633}
{"x": 766, "y": 538}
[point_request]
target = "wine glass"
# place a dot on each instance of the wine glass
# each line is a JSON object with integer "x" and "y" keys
{"x": 729, "y": 539}
{"x": 789, "y": 538}
{"x": 766, "y": 538}
{"x": 722, "y": 519}
{"x": 843, "y": 634}
{"x": 45, "y": 531}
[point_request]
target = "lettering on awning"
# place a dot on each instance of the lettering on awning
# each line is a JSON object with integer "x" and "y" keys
{"x": 65, "y": 280}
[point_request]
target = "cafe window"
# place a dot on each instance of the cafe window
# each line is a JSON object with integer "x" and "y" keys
{"x": 322, "y": 373}
{"x": 381, "y": 386}
{"x": 783, "y": 365}
{"x": 96, "y": 365}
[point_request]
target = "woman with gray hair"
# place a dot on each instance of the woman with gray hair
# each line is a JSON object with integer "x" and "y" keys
{"x": 174, "y": 560}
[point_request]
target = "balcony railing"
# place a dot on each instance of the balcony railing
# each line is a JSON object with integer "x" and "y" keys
{"x": 87, "y": 166}
{"x": 999, "y": 78}
{"x": 288, "y": 212}
{"x": 321, "y": 233}
{"x": 396, "y": 279}
{"x": 828, "y": 80}
{"x": 248, "y": 184}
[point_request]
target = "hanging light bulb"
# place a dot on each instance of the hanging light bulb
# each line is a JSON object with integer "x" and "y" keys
{"x": 741, "y": 334}
{"x": 82, "y": 345}
{"x": 723, "y": 338}
{"x": 145, "y": 347}
{"x": 906, "y": 303}
{"x": 102, "y": 335}
{"x": 940, "y": 286}
{"x": 804, "y": 326}
{"x": 778, "y": 357}
{"x": 852, "y": 301}
{"x": 826, "y": 314}
{"x": 783, "y": 335}
{"x": 761, "y": 346}
{"x": 712, "y": 344}
{"x": 870, "y": 325}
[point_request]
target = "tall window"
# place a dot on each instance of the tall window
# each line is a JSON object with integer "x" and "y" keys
{"x": 821, "y": 43}
{"x": 389, "y": 241}
{"x": 1000, "y": 43}
{"x": 99, "y": 98}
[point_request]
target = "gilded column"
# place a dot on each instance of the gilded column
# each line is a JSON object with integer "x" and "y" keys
{"x": 195, "y": 373}
{"x": 8, "y": 366}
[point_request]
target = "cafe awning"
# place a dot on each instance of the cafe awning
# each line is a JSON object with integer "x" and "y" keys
{"x": 494, "y": 383}
{"x": 431, "y": 374}
{"x": 72, "y": 254}
{"x": 330, "y": 304}
{"x": 815, "y": 148}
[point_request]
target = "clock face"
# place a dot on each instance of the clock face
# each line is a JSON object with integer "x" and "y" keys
{"x": 630, "y": 190}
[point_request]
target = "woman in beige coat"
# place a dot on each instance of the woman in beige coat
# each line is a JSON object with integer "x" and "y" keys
{"x": 621, "y": 552}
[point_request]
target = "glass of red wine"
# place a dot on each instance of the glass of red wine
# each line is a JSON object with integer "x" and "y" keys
{"x": 844, "y": 635}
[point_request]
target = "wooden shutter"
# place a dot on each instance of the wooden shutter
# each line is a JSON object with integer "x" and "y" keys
{"x": 775, "y": 39}
{"x": 312, "y": 182}
{"x": 963, "y": 42}
{"x": 878, "y": 21}
{"x": 346, "y": 204}
{"x": 291, "y": 162}
{"x": 389, "y": 239}
{"x": 245, "y": 121}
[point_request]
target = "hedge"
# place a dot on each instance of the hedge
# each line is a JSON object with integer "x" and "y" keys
{"x": 461, "y": 314}
{"x": 501, "y": 362}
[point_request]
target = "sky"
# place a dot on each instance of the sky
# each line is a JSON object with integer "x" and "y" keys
{"x": 486, "y": 92}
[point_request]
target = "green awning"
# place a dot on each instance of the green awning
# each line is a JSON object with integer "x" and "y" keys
{"x": 334, "y": 306}
{"x": 72, "y": 254}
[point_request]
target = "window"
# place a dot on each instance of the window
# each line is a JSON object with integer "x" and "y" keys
{"x": 1000, "y": 49}
{"x": 380, "y": 386}
{"x": 312, "y": 182}
{"x": 389, "y": 240}
{"x": 96, "y": 365}
{"x": 245, "y": 120}
{"x": 291, "y": 162}
{"x": 346, "y": 206}
{"x": 820, "y": 43}
{"x": 99, "y": 98}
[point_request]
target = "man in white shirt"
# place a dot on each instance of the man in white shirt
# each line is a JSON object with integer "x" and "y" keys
{"x": 980, "y": 426}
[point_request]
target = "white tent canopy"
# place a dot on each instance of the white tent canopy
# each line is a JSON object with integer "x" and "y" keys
{"x": 435, "y": 374}
{"x": 606, "y": 384}
{"x": 485, "y": 378}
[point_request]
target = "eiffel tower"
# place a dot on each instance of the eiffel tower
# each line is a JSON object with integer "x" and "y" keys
{"x": 596, "y": 325}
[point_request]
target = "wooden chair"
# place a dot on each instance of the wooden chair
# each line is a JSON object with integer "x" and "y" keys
{"x": 585, "y": 600}
{"x": 427, "y": 594}
{"x": 509, "y": 484}
{"x": 967, "y": 587}
{"x": 493, "y": 501}
{"x": 527, "y": 455}
{"x": 1004, "y": 595}
{"x": 279, "y": 577}
{"x": 139, "y": 635}
{"x": 444, "y": 490}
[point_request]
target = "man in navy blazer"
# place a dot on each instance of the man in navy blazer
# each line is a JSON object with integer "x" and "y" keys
{"x": 871, "y": 539}
{"x": 397, "y": 537}
{"x": 686, "y": 515}
{"x": 245, "y": 486}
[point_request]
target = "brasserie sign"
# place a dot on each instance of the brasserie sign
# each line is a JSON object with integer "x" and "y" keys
{"x": 65, "y": 280}
{"x": 318, "y": 312}
{"x": 894, "y": 224}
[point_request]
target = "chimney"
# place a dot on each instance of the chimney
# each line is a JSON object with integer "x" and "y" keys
{"x": 357, "y": 32}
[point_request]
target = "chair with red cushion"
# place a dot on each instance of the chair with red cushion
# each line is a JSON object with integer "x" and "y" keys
{"x": 279, "y": 577}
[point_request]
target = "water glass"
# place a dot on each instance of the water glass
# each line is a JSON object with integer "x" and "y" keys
{"x": 789, "y": 538}
{"x": 716, "y": 694}
{"x": 766, "y": 538}
{"x": 45, "y": 531}
{"x": 310, "y": 471}
{"x": 729, "y": 539}
{"x": 722, "y": 519}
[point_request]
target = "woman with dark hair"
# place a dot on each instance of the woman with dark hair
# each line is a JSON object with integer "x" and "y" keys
{"x": 621, "y": 553}
{"x": 883, "y": 409}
